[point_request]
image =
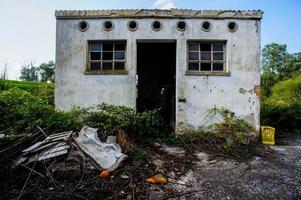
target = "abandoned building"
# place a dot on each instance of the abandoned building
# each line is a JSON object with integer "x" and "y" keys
{"x": 182, "y": 61}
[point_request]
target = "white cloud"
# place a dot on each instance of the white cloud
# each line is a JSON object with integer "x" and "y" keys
{"x": 164, "y": 4}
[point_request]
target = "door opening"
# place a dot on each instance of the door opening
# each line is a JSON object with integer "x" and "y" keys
{"x": 156, "y": 78}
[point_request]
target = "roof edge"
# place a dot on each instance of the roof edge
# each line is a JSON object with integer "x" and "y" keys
{"x": 157, "y": 13}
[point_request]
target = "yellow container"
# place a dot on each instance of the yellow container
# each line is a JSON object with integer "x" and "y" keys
{"x": 268, "y": 135}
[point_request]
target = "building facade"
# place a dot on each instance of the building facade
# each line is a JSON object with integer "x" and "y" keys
{"x": 182, "y": 61}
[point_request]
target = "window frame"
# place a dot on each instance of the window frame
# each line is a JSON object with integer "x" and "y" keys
{"x": 101, "y": 71}
{"x": 224, "y": 72}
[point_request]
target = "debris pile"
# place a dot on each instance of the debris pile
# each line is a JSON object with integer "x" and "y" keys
{"x": 71, "y": 165}
{"x": 53, "y": 146}
{"x": 103, "y": 155}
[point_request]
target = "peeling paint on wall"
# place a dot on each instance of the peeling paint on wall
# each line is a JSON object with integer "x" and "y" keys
{"x": 244, "y": 91}
{"x": 257, "y": 90}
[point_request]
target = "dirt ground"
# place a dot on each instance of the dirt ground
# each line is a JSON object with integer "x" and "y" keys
{"x": 190, "y": 176}
{"x": 278, "y": 177}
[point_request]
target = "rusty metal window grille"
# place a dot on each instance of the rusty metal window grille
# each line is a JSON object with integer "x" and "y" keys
{"x": 107, "y": 55}
{"x": 206, "y": 56}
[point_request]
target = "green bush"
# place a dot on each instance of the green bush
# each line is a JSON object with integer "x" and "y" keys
{"x": 286, "y": 92}
{"x": 108, "y": 118}
{"x": 24, "y": 105}
{"x": 282, "y": 117}
{"x": 150, "y": 123}
{"x": 21, "y": 111}
{"x": 282, "y": 109}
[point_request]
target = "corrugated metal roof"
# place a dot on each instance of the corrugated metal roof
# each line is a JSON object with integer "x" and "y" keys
{"x": 155, "y": 13}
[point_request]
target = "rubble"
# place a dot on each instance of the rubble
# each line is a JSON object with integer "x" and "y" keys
{"x": 52, "y": 146}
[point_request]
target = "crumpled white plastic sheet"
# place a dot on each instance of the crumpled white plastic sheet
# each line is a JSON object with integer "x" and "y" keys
{"x": 107, "y": 155}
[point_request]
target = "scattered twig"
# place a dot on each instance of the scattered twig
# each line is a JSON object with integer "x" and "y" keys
{"x": 24, "y": 186}
{"x": 38, "y": 173}
{"x": 185, "y": 143}
{"x": 42, "y": 131}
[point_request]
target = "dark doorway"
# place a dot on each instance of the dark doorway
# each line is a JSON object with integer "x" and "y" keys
{"x": 156, "y": 74}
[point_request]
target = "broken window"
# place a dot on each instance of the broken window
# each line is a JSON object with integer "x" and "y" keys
{"x": 107, "y": 55}
{"x": 206, "y": 56}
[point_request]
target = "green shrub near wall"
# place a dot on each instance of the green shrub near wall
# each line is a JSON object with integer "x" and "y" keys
{"x": 282, "y": 117}
{"x": 21, "y": 111}
{"x": 282, "y": 109}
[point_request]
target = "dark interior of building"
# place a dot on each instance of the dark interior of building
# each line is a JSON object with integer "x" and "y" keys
{"x": 156, "y": 68}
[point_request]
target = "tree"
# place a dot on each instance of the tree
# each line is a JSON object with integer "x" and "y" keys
{"x": 47, "y": 71}
{"x": 277, "y": 65}
{"x": 3, "y": 77}
{"x": 29, "y": 72}
{"x": 287, "y": 92}
{"x": 276, "y": 60}
{"x": 4, "y": 72}
{"x": 268, "y": 80}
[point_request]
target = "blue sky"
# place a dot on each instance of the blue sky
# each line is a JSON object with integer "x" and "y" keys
{"x": 28, "y": 26}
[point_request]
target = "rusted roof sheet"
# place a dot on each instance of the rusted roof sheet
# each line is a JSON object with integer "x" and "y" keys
{"x": 172, "y": 13}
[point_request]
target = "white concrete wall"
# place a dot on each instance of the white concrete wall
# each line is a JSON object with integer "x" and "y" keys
{"x": 235, "y": 92}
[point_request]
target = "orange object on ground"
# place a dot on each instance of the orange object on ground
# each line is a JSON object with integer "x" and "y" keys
{"x": 156, "y": 179}
{"x": 104, "y": 174}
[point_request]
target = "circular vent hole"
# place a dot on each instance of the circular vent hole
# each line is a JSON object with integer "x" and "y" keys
{"x": 108, "y": 25}
{"x": 156, "y": 25}
{"x": 232, "y": 26}
{"x": 206, "y": 26}
{"x": 132, "y": 25}
{"x": 181, "y": 26}
{"x": 83, "y": 26}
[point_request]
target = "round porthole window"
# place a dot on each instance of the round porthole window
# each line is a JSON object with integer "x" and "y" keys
{"x": 83, "y": 26}
{"x": 108, "y": 25}
{"x": 132, "y": 25}
{"x": 156, "y": 25}
{"x": 181, "y": 25}
{"x": 206, "y": 26}
{"x": 232, "y": 26}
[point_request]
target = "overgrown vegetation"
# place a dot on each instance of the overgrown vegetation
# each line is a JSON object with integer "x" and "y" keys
{"x": 283, "y": 108}
{"x": 24, "y": 106}
{"x": 228, "y": 137}
{"x": 108, "y": 118}
{"x": 281, "y": 88}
